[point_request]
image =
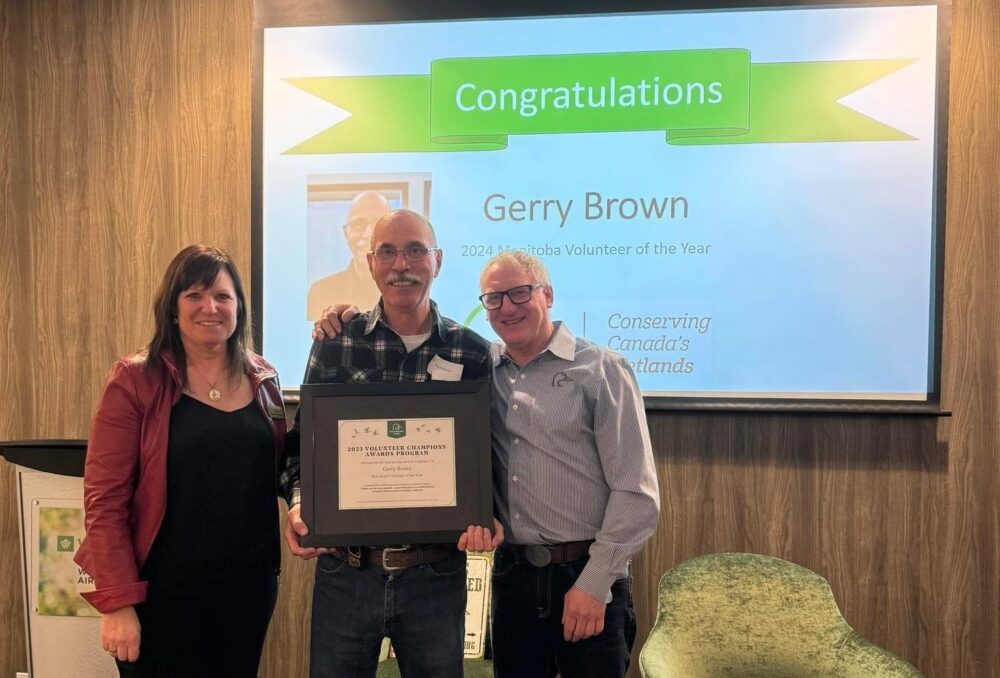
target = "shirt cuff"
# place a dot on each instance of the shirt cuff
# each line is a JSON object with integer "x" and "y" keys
{"x": 296, "y": 497}
{"x": 595, "y": 583}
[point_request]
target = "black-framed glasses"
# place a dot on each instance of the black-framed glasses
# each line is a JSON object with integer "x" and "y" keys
{"x": 386, "y": 254}
{"x": 517, "y": 295}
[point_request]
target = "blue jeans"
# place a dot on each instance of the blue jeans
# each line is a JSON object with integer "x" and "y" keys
{"x": 421, "y": 609}
{"x": 527, "y": 623}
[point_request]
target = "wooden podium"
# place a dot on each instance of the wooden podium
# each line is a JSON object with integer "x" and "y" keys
{"x": 63, "y": 631}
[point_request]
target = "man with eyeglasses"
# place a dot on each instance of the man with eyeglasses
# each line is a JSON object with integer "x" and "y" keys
{"x": 353, "y": 285}
{"x": 574, "y": 485}
{"x": 414, "y": 594}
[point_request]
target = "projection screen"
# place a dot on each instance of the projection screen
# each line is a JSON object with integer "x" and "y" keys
{"x": 745, "y": 203}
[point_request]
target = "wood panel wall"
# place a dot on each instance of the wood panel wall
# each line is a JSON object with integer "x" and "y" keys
{"x": 125, "y": 134}
{"x": 15, "y": 316}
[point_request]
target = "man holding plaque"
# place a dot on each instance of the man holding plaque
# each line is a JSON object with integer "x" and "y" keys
{"x": 414, "y": 594}
{"x": 574, "y": 485}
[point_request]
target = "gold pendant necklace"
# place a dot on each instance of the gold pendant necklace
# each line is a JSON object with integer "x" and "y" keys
{"x": 213, "y": 393}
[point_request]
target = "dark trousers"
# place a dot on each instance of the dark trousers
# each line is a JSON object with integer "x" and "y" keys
{"x": 421, "y": 609}
{"x": 527, "y": 623}
{"x": 204, "y": 635}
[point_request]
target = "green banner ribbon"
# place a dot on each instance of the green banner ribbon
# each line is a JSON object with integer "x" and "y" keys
{"x": 696, "y": 97}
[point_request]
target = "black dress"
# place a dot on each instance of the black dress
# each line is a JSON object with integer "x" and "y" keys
{"x": 211, "y": 571}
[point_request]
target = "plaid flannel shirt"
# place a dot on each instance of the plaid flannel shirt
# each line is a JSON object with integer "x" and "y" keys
{"x": 367, "y": 350}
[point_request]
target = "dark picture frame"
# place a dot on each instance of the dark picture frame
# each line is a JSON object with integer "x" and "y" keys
{"x": 324, "y": 406}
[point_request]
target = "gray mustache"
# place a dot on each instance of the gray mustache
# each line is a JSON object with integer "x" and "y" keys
{"x": 404, "y": 277}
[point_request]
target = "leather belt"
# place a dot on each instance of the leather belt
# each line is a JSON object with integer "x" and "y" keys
{"x": 392, "y": 558}
{"x": 541, "y": 555}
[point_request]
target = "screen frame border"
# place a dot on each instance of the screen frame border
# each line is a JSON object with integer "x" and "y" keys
{"x": 290, "y": 13}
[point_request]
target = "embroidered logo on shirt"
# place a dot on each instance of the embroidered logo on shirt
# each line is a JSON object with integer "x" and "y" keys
{"x": 560, "y": 378}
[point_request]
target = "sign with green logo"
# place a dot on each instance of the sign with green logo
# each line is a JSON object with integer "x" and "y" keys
{"x": 396, "y": 428}
{"x": 59, "y": 528}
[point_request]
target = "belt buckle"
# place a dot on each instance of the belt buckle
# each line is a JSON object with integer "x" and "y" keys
{"x": 393, "y": 549}
{"x": 538, "y": 555}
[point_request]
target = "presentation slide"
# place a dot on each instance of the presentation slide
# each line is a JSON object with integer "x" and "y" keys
{"x": 741, "y": 203}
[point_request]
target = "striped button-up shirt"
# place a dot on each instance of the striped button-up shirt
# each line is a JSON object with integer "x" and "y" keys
{"x": 368, "y": 350}
{"x": 572, "y": 458}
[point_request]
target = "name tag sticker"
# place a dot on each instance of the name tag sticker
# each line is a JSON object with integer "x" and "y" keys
{"x": 443, "y": 370}
{"x": 275, "y": 411}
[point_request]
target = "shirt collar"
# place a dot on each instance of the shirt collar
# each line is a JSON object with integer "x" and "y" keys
{"x": 377, "y": 317}
{"x": 561, "y": 345}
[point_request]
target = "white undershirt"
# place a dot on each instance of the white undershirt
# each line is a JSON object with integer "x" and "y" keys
{"x": 414, "y": 340}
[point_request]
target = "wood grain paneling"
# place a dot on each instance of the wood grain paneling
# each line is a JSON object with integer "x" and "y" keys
{"x": 286, "y": 652}
{"x": 15, "y": 315}
{"x": 125, "y": 129}
{"x": 963, "y": 566}
{"x": 15, "y": 271}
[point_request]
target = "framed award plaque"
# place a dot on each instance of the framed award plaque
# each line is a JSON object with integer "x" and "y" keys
{"x": 395, "y": 463}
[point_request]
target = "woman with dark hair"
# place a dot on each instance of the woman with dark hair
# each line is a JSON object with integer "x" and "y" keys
{"x": 180, "y": 485}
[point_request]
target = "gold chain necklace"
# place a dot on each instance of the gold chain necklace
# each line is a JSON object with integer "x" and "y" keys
{"x": 213, "y": 393}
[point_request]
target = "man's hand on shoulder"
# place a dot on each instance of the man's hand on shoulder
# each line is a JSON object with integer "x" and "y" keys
{"x": 330, "y": 322}
{"x": 583, "y": 615}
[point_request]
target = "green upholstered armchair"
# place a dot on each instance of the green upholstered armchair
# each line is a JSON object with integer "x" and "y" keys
{"x": 741, "y": 615}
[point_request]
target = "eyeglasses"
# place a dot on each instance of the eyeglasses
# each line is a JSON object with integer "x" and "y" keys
{"x": 518, "y": 295}
{"x": 359, "y": 224}
{"x": 386, "y": 254}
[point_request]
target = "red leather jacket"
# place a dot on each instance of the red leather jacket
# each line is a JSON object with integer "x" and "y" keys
{"x": 125, "y": 478}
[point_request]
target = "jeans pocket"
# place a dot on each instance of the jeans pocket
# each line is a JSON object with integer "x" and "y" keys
{"x": 503, "y": 563}
{"x": 449, "y": 566}
{"x": 328, "y": 564}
